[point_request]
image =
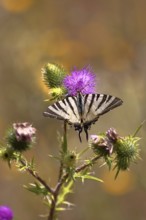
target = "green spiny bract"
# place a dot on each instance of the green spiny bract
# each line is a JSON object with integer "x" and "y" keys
{"x": 69, "y": 160}
{"x": 7, "y": 153}
{"x": 53, "y": 75}
{"x": 127, "y": 151}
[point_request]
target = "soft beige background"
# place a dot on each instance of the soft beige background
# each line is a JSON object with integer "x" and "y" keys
{"x": 111, "y": 37}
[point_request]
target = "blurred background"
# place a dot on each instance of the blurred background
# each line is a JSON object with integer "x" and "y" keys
{"x": 111, "y": 37}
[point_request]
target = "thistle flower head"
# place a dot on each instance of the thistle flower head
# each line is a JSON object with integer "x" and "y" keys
{"x": 112, "y": 134}
{"x": 82, "y": 81}
{"x": 24, "y": 131}
{"x": 5, "y": 213}
{"x": 101, "y": 145}
{"x": 21, "y": 136}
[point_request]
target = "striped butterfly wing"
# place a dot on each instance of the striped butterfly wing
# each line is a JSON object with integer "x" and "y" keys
{"x": 82, "y": 110}
{"x": 98, "y": 104}
{"x": 65, "y": 109}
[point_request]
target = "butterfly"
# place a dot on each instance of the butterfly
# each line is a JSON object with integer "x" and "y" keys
{"x": 82, "y": 111}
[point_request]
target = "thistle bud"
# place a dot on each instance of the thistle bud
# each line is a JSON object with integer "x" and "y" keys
{"x": 101, "y": 145}
{"x": 69, "y": 160}
{"x": 7, "y": 154}
{"x": 127, "y": 151}
{"x": 21, "y": 136}
{"x": 56, "y": 93}
{"x": 53, "y": 75}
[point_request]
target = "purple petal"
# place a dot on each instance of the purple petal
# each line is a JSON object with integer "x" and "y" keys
{"x": 5, "y": 213}
{"x": 82, "y": 81}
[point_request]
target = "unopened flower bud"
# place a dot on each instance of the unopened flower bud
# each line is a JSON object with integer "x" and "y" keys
{"x": 53, "y": 75}
{"x": 127, "y": 150}
{"x": 69, "y": 160}
{"x": 101, "y": 145}
{"x": 21, "y": 136}
{"x": 112, "y": 134}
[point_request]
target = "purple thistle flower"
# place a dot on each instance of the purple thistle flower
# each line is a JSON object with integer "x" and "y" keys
{"x": 24, "y": 131}
{"x": 101, "y": 144}
{"x": 82, "y": 81}
{"x": 5, "y": 213}
{"x": 21, "y": 136}
{"x": 112, "y": 135}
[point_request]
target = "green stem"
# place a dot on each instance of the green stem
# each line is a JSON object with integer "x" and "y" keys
{"x": 64, "y": 144}
{"x": 85, "y": 165}
{"x": 64, "y": 179}
{"x": 138, "y": 129}
{"x": 58, "y": 186}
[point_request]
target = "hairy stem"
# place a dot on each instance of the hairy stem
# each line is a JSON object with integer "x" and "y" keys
{"x": 36, "y": 176}
{"x": 58, "y": 186}
{"x": 85, "y": 165}
{"x": 64, "y": 179}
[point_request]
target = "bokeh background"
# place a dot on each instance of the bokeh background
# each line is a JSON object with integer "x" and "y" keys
{"x": 111, "y": 37}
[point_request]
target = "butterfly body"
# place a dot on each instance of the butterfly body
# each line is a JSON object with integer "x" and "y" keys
{"x": 82, "y": 110}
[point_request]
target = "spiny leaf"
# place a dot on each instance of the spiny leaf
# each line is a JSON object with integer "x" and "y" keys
{"x": 36, "y": 188}
{"x": 65, "y": 190}
{"x": 88, "y": 176}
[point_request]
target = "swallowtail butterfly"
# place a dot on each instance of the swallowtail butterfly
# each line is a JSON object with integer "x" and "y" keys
{"x": 82, "y": 110}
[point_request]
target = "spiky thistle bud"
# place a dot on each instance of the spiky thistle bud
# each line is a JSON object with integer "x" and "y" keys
{"x": 127, "y": 151}
{"x": 53, "y": 76}
{"x": 7, "y": 154}
{"x": 69, "y": 160}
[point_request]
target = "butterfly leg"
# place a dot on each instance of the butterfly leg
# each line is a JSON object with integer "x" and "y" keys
{"x": 79, "y": 129}
{"x": 86, "y": 132}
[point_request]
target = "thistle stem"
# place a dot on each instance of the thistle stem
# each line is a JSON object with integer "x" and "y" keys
{"x": 64, "y": 144}
{"x": 36, "y": 176}
{"x": 63, "y": 180}
{"x": 60, "y": 181}
{"x": 85, "y": 165}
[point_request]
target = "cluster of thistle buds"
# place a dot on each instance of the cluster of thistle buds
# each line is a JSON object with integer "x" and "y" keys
{"x": 116, "y": 150}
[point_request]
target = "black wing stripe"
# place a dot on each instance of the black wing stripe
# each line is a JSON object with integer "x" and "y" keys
{"x": 70, "y": 104}
{"x": 101, "y": 101}
{"x": 91, "y": 103}
{"x": 109, "y": 97}
{"x": 54, "y": 106}
{"x": 60, "y": 107}
{"x": 52, "y": 114}
{"x": 56, "y": 111}
{"x": 64, "y": 101}
{"x": 97, "y": 96}
{"x": 85, "y": 100}
{"x": 115, "y": 103}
